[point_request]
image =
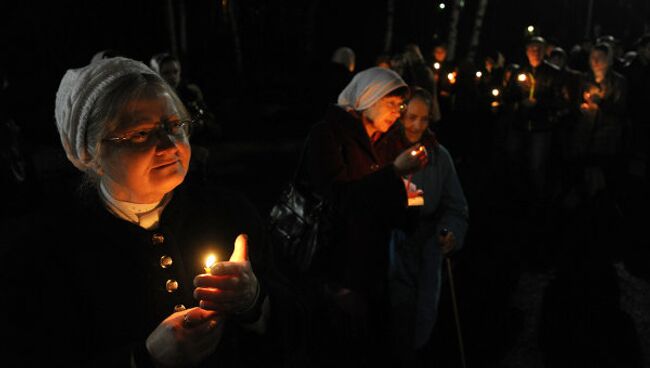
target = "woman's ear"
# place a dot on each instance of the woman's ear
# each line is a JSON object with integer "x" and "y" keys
{"x": 97, "y": 168}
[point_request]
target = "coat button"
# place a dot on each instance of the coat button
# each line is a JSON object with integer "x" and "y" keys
{"x": 171, "y": 285}
{"x": 166, "y": 261}
{"x": 374, "y": 167}
{"x": 179, "y": 307}
{"x": 157, "y": 238}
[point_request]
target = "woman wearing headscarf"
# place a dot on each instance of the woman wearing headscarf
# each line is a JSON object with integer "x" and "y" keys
{"x": 368, "y": 197}
{"x": 115, "y": 276}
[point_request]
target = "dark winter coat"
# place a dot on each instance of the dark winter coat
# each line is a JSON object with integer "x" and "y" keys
{"x": 85, "y": 288}
{"x": 544, "y": 114}
{"x": 368, "y": 198}
{"x": 598, "y": 135}
{"x": 348, "y": 282}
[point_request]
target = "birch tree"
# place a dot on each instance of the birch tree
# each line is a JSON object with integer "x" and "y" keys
{"x": 390, "y": 19}
{"x": 476, "y": 31}
{"x": 453, "y": 30}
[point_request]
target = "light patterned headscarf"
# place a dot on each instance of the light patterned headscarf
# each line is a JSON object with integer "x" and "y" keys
{"x": 368, "y": 87}
{"x": 76, "y": 97}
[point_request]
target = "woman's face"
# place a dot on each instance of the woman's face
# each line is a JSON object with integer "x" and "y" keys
{"x": 416, "y": 120}
{"x": 385, "y": 112}
{"x": 535, "y": 53}
{"x": 598, "y": 61}
{"x": 440, "y": 54}
{"x": 143, "y": 172}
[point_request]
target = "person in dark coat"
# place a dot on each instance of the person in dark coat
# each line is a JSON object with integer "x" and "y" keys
{"x": 536, "y": 95}
{"x": 347, "y": 282}
{"x": 597, "y": 138}
{"x": 115, "y": 276}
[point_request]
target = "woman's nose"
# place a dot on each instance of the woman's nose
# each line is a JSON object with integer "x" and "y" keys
{"x": 165, "y": 142}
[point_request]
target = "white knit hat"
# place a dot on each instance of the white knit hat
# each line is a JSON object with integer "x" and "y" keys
{"x": 76, "y": 97}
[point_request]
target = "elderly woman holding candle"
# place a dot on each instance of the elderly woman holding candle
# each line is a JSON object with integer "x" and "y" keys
{"x": 110, "y": 276}
{"x": 347, "y": 281}
{"x": 417, "y": 253}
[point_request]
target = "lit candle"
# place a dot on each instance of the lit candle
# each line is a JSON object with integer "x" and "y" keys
{"x": 210, "y": 261}
{"x": 495, "y": 92}
{"x": 452, "y": 77}
{"x": 417, "y": 150}
{"x": 531, "y": 94}
{"x": 521, "y": 77}
{"x": 436, "y": 65}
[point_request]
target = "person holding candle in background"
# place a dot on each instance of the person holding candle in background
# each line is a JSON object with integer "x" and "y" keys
{"x": 536, "y": 94}
{"x": 107, "y": 277}
{"x": 596, "y": 141}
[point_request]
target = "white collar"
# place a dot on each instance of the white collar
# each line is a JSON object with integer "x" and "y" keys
{"x": 145, "y": 215}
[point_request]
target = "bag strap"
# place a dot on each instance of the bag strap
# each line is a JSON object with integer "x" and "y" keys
{"x": 301, "y": 159}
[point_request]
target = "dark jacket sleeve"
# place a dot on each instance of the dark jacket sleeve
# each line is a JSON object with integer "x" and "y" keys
{"x": 335, "y": 176}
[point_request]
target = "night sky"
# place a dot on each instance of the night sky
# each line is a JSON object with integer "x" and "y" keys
{"x": 282, "y": 42}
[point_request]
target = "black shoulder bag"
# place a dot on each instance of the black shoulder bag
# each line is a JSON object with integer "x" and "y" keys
{"x": 297, "y": 224}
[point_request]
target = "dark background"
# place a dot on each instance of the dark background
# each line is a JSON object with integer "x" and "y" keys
{"x": 283, "y": 42}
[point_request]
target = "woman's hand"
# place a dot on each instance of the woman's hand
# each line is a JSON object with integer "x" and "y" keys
{"x": 447, "y": 242}
{"x": 411, "y": 160}
{"x": 232, "y": 286}
{"x": 185, "y": 338}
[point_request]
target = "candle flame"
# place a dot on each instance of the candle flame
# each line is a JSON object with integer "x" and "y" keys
{"x": 522, "y": 77}
{"x": 436, "y": 65}
{"x": 417, "y": 150}
{"x": 495, "y": 92}
{"x": 210, "y": 261}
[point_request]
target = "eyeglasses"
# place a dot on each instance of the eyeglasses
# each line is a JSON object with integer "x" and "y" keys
{"x": 178, "y": 129}
{"x": 396, "y": 106}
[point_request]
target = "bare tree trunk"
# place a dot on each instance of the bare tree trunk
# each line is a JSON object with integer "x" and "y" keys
{"x": 171, "y": 27}
{"x": 590, "y": 12}
{"x": 476, "y": 32}
{"x": 390, "y": 19}
{"x": 229, "y": 6}
{"x": 453, "y": 30}
{"x": 182, "y": 27}
{"x": 310, "y": 26}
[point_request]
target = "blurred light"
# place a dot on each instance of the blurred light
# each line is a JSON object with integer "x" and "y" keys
{"x": 495, "y": 92}
{"x": 531, "y": 29}
{"x": 521, "y": 77}
{"x": 479, "y": 74}
{"x": 442, "y": 6}
{"x": 436, "y": 65}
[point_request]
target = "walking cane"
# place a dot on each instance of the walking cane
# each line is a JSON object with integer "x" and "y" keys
{"x": 454, "y": 304}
